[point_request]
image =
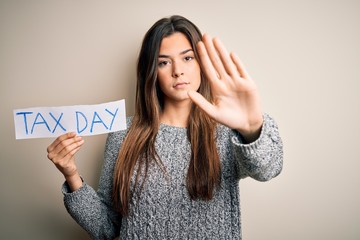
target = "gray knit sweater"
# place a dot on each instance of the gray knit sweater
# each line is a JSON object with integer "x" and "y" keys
{"x": 164, "y": 209}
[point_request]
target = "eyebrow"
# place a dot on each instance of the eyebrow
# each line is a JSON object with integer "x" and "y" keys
{"x": 181, "y": 53}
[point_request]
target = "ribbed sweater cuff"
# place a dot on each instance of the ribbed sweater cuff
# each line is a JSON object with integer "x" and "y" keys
{"x": 251, "y": 148}
{"x": 76, "y": 195}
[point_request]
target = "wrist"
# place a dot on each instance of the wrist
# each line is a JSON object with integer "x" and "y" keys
{"x": 252, "y": 133}
{"x": 250, "y": 137}
{"x": 74, "y": 181}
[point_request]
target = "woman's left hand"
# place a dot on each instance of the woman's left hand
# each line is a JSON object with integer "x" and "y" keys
{"x": 236, "y": 98}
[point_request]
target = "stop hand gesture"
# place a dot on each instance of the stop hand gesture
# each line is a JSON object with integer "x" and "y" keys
{"x": 236, "y": 99}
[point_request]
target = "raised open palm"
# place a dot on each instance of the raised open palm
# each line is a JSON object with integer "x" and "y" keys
{"x": 236, "y": 98}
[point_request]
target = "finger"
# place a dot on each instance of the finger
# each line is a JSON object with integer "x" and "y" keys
{"x": 63, "y": 142}
{"x": 204, "y": 104}
{"x": 206, "y": 64}
{"x": 75, "y": 150}
{"x": 228, "y": 64}
{"x": 214, "y": 56}
{"x": 59, "y": 139}
{"x": 240, "y": 66}
{"x": 67, "y": 152}
{"x": 64, "y": 147}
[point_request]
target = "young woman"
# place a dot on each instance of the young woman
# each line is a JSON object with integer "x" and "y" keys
{"x": 198, "y": 129}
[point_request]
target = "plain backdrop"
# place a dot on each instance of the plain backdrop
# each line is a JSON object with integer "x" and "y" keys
{"x": 303, "y": 55}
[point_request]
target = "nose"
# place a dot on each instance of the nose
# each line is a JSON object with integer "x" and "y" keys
{"x": 177, "y": 70}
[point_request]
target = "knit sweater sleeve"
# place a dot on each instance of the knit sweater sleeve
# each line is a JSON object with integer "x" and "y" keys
{"x": 262, "y": 159}
{"x": 93, "y": 210}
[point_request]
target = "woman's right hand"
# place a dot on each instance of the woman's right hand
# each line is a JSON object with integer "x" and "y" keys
{"x": 62, "y": 153}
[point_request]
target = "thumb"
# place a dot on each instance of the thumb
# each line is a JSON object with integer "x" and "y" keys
{"x": 202, "y": 103}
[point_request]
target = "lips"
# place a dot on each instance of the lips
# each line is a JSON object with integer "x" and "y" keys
{"x": 180, "y": 84}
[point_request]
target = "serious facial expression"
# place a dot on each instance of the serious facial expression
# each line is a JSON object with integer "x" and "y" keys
{"x": 178, "y": 70}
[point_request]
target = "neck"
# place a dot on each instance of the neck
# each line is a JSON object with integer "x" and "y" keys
{"x": 176, "y": 115}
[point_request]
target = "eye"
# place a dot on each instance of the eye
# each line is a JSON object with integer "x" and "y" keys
{"x": 163, "y": 63}
{"x": 188, "y": 58}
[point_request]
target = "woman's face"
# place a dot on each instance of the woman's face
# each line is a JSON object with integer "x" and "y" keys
{"x": 178, "y": 70}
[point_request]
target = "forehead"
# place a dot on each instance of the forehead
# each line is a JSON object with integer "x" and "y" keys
{"x": 174, "y": 44}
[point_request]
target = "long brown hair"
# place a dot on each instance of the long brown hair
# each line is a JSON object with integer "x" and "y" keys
{"x": 138, "y": 148}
